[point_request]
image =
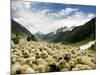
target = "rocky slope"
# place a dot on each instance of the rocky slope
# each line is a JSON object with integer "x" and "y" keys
{"x": 20, "y": 31}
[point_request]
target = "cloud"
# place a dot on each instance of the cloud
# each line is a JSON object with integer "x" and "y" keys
{"x": 61, "y": 14}
{"x": 46, "y": 20}
{"x": 67, "y": 11}
{"x": 20, "y": 5}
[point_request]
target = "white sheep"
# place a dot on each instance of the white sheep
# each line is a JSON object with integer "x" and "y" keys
{"x": 25, "y": 53}
{"x": 64, "y": 70}
{"x": 83, "y": 67}
{"x": 68, "y": 66}
{"x": 30, "y": 60}
{"x": 25, "y": 69}
{"x": 21, "y": 60}
{"x": 15, "y": 67}
{"x": 43, "y": 68}
{"x": 72, "y": 63}
{"x": 18, "y": 53}
{"x": 61, "y": 63}
{"x": 75, "y": 69}
{"x": 34, "y": 66}
{"x": 13, "y": 60}
{"x": 40, "y": 61}
{"x": 50, "y": 59}
{"x": 86, "y": 61}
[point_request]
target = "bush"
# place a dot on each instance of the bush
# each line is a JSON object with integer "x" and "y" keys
{"x": 16, "y": 39}
{"x": 28, "y": 38}
{"x": 31, "y": 38}
{"x": 93, "y": 46}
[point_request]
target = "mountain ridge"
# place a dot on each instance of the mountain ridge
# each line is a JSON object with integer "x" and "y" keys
{"x": 19, "y": 30}
{"x": 78, "y": 33}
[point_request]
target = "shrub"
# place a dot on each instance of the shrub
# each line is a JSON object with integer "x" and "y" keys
{"x": 16, "y": 39}
{"x": 28, "y": 38}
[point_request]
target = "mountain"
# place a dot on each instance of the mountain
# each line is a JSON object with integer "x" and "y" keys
{"x": 62, "y": 29}
{"x": 18, "y": 29}
{"x": 65, "y": 28}
{"x": 78, "y": 33}
{"x": 40, "y": 36}
{"x": 59, "y": 32}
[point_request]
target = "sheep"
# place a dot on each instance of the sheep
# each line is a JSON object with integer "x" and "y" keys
{"x": 44, "y": 54}
{"x": 86, "y": 61}
{"x": 91, "y": 53}
{"x": 21, "y": 60}
{"x": 72, "y": 63}
{"x": 18, "y": 53}
{"x": 50, "y": 59}
{"x": 41, "y": 61}
{"x": 58, "y": 58}
{"x": 43, "y": 68}
{"x": 15, "y": 46}
{"x": 15, "y": 67}
{"x": 73, "y": 60}
{"x": 73, "y": 51}
{"x": 67, "y": 56}
{"x": 25, "y": 53}
{"x": 25, "y": 69}
{"x": 28, "y": 49}
{"x": 13, "y": 60}
{"x": 52, "y": 53}
{"x": 68, "y": 66}
{"x": 12, "y": 44}
{"x": 32, "y": 51}
{"x": 83, "y": 67}
{"x": 14, "y": 50}
{"x": 75, "y": 69}
{"x": 93, "y": 60}
{"x": 30, "y": 60}
{"x": 34, "y": 66}
{"x": 83, "y": 52}
{"x": 64, "y": 70}
{"x": 32, "y": 55}
{"x": 61, "y": 64}
{"x": 38, "y": 55}
{"x": 48, "y": 50}
{"x": 43, "y": 51}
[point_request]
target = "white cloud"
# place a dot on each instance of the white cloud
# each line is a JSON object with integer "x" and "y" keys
{"x": 67, "y": 11}
{"x": 20, "y": 5}
{"x": 38, "y": 20}
{"x": 60, "y": 14}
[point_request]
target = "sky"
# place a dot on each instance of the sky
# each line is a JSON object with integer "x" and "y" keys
{"x": 47, "y": 17}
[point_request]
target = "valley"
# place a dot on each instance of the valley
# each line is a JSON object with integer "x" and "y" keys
{"x": 65, "y": 50}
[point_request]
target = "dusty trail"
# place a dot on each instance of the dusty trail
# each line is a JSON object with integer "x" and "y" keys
{"x": 86, "y": 46}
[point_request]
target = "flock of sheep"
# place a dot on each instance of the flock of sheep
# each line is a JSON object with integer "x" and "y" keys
{"x": 39, "y": 57}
